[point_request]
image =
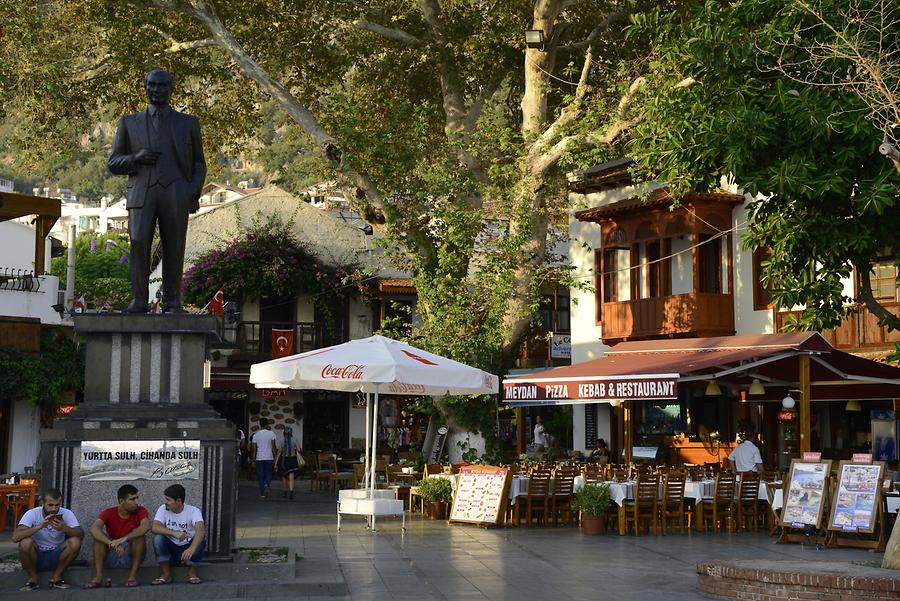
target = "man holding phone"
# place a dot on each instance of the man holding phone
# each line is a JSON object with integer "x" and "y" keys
{"x": 49, "y": 538}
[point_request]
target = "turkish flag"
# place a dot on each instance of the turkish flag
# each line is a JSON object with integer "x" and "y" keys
{"x": 282, "y": 343}
{"x": 216, "y": 306}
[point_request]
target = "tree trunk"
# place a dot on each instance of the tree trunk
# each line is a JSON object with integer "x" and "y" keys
{"x": 891, "y": 559}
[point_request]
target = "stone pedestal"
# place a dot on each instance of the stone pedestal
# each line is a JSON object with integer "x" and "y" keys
{"x": 144, "y": 382}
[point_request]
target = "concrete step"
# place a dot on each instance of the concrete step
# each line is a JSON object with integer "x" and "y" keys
{"x": 308, "y": 577}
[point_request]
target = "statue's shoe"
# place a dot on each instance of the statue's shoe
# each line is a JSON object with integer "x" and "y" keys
{"x": 136, "y": 307}
{"x": 174, "y": 309}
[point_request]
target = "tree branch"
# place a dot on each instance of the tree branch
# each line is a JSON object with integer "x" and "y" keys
{"x": 372, "y": 200}
{"x": 390, "y": 33}
{"x": 885, "y": 317}
{"x": 180, "y": 46}
{"x": 605, "y": 23}
{"x": 549, "y": 158}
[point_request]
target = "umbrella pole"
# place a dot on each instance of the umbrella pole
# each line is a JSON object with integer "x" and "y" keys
{"x": 368, "y": 439}
{"x": 374, "y": 440}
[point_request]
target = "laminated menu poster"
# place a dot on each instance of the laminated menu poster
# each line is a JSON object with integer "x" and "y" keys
{"x": 480, "y": 494}
{"x": 858, "y": 497}
{"x": 804, "y": 494}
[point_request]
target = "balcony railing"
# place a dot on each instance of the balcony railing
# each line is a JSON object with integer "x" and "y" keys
{"x": 691, "y": 314}
{"x": 19, "y": 280}
{"x": 859, "y": 331}
{"x": 253, "y": 339}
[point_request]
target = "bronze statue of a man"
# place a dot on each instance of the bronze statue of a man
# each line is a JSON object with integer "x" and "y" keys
{"x": 161, "y": 152}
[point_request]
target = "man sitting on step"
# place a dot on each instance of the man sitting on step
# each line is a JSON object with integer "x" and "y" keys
{"x": 119, "y": 537}
{"x": 49, "y": 538}
{"x": 179, "y": 535}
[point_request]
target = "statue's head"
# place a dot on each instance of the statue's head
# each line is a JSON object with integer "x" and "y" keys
{"x": 158, "y": 85}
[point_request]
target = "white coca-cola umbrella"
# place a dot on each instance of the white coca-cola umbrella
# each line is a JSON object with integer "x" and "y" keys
{"x": 374, "y": 365}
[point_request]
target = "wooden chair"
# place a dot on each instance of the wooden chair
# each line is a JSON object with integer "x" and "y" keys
{"x": 535, "y": 502}
{"x": 644, "y": 504}
{"x": 359, "y": 475}
{"x": 392, "y": 475}
{"x": 748, "y": 502}
{"x": 337, "y": 477}
{"x": 720, "y": 506}
{"x": 671, "y": 506}
{"x": 432, "y": 469}
{"x": 321, "y": 471}
{"x": 561, "y": 497}
{"x": 591, "y": 473}
{"x": 619, "y": 472}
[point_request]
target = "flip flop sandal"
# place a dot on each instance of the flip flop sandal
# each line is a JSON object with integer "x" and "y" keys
{"x": 61, "y": 584}
{"x": 131, "y": 584}
{"x": 158, "y": 581}
{"x": 92, "y": 584}
{"x": 195, "y": 580}
{"x": 30, "y": 586}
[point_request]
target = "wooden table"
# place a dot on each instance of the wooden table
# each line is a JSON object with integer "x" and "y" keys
{"x": 18, "y": 497}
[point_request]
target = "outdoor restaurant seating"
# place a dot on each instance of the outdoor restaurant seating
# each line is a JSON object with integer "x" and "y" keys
{"x": 720, "y": 507}
{"x": 534, "y": 505}
{"x": 644, "y": 505}
{"x": 561, "y": 498}
{"x": 672, "y": 503}
{"x": 748, "y": 502}
{"x": 337, "y": 477}
{"x": 774, "y": 514}
{"x": 321, "y": 474}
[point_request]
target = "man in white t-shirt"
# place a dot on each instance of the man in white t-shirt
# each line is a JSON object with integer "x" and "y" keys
{"x": 179, "y": 535}
{"x": 264, "y": 452}
{"x": 540, "y": 437}
{"x": 745, "y": 457}
{"x": 49, "y": 538}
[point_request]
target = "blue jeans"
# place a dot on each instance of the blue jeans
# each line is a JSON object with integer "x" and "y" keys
{"x": 264, "y": 474}
{"x": 166, "y": 550}
{"x": 123, "y": 561}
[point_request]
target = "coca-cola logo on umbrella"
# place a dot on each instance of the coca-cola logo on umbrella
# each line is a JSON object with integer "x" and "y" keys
{"x": 346, "y": 372}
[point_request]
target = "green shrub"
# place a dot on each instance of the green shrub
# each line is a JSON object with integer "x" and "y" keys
{"x": 593, "y": 500}
{"x": 436, "y": 489}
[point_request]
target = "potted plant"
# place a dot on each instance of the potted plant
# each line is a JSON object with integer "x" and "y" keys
{"x": 437, "y": 494}
{"x": 592, "y": 502}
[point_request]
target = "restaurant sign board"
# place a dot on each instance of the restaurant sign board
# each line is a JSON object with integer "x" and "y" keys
{"x": 480, "y": 494}
{"x": 858, "y": 497}
{"x": 804, "y": 497}
{"x": 140, "y": 460}
{"x": 562, "y": 391}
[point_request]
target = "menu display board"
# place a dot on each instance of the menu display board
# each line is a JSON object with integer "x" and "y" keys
{"x": 804, "y": 494}
{"x": 480, "y": 494}
{"x": 858, "y": 497}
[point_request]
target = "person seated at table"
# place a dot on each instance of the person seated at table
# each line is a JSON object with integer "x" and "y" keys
{"x": 745, "y": 457}
{"x": 119, "y": 537}
{"x": 49, "y": 538}
{"x": 600, "y": 453}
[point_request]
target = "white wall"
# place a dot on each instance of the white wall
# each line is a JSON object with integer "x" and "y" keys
{"x": 38, "y": 304}
{"x": 24, "y": 436}
{"x": 17, "y": 247}
{"x": 746, "y": 319}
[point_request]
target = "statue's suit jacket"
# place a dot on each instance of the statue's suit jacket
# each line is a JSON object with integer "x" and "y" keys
{"x": 135, "y": 133}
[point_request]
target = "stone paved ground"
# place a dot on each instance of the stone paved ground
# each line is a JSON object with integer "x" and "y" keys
{"x": 436, "y": 561}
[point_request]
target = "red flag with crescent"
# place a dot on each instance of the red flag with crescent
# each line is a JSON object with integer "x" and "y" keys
{"x": 282, "y": 343}
{"x": 216, "y": 306}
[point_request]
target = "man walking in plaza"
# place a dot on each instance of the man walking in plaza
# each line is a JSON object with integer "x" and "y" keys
{"x": 264, "y": 452}
{"x": 745, "y": 457}
{"x": 178, "y": 535}
{"x": 49, "y": 538}
{"x": 119, "y": 537}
